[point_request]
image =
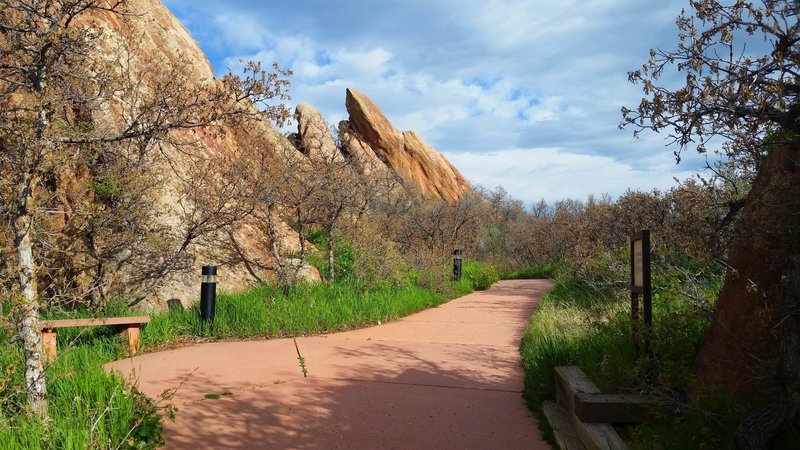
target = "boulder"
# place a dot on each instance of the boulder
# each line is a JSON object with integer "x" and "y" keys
{"x": 303, "y": 272}
{"x": 313, "y": 135}
{"x": 751, "y": 345}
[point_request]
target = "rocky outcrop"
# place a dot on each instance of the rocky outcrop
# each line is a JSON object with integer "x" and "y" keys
{"x": 153, "y": 49}
{"x": 313, "y": 135}
{"x": 372, "y": 142}
{"x": 374, "y": 128}
{"x": 404, "y": 152}
{"x": 752, "y": 344}
{"x": 152, "y": 42}
{"x": 359, "y": 150}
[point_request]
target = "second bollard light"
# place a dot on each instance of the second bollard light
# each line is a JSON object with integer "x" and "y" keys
{"x": 457, "y": 259}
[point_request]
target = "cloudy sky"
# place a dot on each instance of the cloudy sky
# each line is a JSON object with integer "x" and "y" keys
{"x": 520, "y": 93}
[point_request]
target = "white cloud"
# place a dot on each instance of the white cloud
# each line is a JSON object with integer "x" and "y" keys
{"x": 554, "y": 173}
{"x": 240, "y": 31}
{"x": 545, "y": 79}
{"x": 362, "y": 64}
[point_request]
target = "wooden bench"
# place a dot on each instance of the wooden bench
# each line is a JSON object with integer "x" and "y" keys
{"x": 126, "y": 326}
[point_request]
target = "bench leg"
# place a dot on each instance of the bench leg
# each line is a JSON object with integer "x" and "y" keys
{"x": 131, "y": 333}
{"x": 49, "y": 344}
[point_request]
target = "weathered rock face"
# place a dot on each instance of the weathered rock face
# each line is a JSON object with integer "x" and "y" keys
{"x": 153, "y": 40}
{"x": 752, "y": 342}
{"x": 406, "y": 153}
{"x": 313, "y": 134}
{"x": 374, "y": 128}
{"x": 360, "y": 150}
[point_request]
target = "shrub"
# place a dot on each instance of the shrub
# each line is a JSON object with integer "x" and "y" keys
{"x": 536, "y": 272}
{"x": 480, "y": 276}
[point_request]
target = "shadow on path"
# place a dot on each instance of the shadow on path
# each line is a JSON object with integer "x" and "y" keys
{"x": 448, "y": 377}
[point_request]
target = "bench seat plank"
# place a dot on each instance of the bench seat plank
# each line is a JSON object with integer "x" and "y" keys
{"x": 129, "y": 327}
{"x": 98, "y": 321}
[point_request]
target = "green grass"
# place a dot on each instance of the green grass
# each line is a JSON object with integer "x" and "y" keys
{"x": 577, "y": 324}
{"x": 536, "y": 272}
{"x": 92, "y": 409}
{"x": 479, "y": 276}
{"x": 267, "y": 311}
{"x": 88, "y": 407}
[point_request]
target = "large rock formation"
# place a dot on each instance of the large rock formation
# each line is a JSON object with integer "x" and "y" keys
{"x": 404, "y": 152}
{"x": 313, "y": 135}
{"x": 149, "y": 43}
{"x": 373, "y": 142}
{"x": 751, "y": 346}
{"x": 153, "y": 42}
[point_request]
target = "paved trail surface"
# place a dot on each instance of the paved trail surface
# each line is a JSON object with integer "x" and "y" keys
{"x": 445, "y": 378}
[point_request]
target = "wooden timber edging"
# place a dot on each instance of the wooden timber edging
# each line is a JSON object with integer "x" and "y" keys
{"x": 581, "y": 417}
{"x": 129, "y": 327}
{"x": 616, "y": 408}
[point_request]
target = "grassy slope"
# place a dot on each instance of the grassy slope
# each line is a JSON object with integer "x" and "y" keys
{"x": 579, "y": 325}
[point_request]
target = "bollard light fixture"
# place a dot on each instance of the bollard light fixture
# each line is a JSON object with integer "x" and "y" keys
{"x": 208, "y": 294}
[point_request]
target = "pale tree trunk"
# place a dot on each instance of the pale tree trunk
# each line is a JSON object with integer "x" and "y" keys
{"x": 274, "y": 247}
{"x": 29, "y": 331}
{"x": 331, "y": 268}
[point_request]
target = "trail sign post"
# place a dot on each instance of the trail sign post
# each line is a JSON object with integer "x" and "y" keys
{"x": 640, "y": 287}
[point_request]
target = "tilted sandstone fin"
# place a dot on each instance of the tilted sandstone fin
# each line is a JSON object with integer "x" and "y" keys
{"x": 406, "y": 153}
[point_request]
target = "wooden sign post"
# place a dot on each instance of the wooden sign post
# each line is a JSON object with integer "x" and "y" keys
{"x": 640, "y": 286}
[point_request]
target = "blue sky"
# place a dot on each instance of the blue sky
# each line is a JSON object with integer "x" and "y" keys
{"x": 520, "y": 93}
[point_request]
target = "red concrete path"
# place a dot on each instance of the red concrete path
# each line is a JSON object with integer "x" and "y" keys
{"x": 448, "y": 377}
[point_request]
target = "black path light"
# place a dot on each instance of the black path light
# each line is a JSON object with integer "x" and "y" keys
{"x": 457, "y": 260}
{"x": 208, "y": 294}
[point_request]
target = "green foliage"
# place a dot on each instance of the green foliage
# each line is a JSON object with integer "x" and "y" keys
{"x": 479, "y": 275}
{"x": 536, "y": 272}
{"x": 270, "y": 311}
{"x": 88, "y": 407}
{"x": 708, "y": 420}
{"x": 344, "y": 254}
{"x": 587, "y": 323}
{"x": 107, "y": 187}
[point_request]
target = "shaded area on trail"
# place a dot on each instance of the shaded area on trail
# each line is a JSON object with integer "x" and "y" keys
{"x": 447, "y": 377}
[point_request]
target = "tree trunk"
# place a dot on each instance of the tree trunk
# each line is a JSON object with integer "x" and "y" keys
{"x": 751, "y": 349}
{"x": 274, "y": 247}
{"x": 29, "y": 331}
{"x": 331, "y": 268}
{"x": 301, "y": 237}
